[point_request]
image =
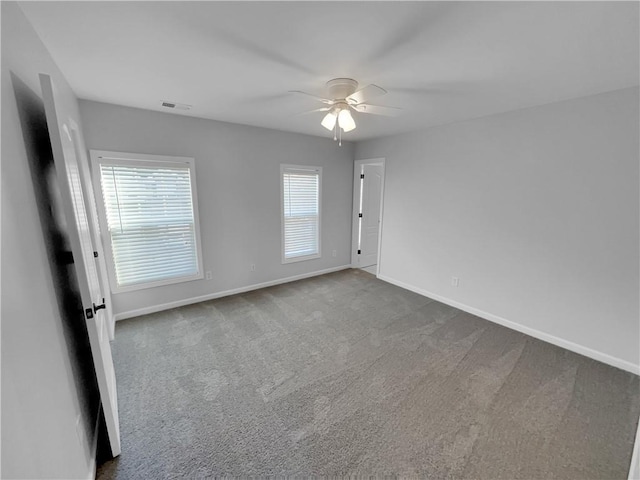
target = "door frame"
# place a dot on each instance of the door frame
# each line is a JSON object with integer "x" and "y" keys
{"x": 357, "y": 168}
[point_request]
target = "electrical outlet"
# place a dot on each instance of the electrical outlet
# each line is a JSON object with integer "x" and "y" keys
{"x": 455, "y": 281}
{"x": 253, "y": 267}
{"x": 208, "y": 275}
{"x": 334, "y": 253}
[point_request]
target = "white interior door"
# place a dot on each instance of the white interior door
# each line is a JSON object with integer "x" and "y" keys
{"x": 61, "y": 121}
{"x": 367, "y": 201}
{"x": 371, "y": 190}
{"x": 94, "y": 226}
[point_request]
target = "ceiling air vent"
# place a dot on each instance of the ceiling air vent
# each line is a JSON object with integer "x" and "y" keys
{"x": 177, "y": 106}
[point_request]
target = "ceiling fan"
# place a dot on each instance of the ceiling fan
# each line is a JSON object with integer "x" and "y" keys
{"x": 344, "y": 96}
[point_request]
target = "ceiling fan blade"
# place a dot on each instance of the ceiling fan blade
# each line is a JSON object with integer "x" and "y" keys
{"x": 365, "y": 94}
{"x": 421, "y": 91}
{"x": 322, "y": 109}
{"x": 424, "y": 18}
{"x": 377, "y": 110}
{"x": 320, "y": 99}
{"x": 259, "y": 51}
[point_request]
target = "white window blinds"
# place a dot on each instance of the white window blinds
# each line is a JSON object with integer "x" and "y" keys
{"x": 150, "y": 220}
{"x": 301, "y": 212}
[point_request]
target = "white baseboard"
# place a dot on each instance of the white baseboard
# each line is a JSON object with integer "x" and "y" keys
{"x": 560, "y": 342}
{"x": 93, "y": 468}
{"x": 634, "y": 469}
{"x": 226, "y": 293}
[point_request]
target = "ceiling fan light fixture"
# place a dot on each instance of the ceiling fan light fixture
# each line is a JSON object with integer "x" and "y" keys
{"x": 329, "y": 121}
{"x": 345, "y": 120}
{"x": 344, "y": 96}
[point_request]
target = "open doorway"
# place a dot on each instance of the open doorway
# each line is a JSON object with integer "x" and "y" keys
{"x": 368, "y": 190}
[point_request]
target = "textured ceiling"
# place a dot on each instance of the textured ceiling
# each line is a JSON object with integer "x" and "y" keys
{"x": 440, "y": 61}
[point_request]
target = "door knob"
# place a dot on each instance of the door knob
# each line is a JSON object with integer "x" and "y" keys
{"x": 99, "y": 307}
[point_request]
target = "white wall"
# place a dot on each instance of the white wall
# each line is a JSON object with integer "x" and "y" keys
{"x": 535, "y": 210}
{"x": 237, "y": 176}
{"x": 40, "y": 399}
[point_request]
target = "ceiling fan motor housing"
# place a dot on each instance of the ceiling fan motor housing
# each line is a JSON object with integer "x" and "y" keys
{"x": 341, "y": 88}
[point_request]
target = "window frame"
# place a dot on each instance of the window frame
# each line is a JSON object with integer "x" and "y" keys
{"x": 286, "y": 168}
{"x": 104, "y": 157}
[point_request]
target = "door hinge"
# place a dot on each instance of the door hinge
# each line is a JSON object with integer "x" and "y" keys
{"x": 359, "y": 252}
{"x": 95, "y": 254}
{"x": 362, "y": 175}
{"x": 359, "y": 215}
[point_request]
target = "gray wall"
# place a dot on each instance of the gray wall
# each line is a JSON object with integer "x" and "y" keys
{"x": 536, "y": 211}
{"x": 237, "y": 177}
{"x": 43, "y": 387}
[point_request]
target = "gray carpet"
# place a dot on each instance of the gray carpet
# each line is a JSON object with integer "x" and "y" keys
{"x": 344, "y": 374}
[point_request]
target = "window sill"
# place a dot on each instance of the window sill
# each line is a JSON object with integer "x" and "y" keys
{"x": 159, "y": 283}
{"x": 300, "y": 259}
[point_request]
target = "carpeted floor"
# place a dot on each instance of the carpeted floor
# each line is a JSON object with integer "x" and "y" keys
{"x": 344, "y": 374}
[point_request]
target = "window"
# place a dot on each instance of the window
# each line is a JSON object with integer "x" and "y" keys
{"x": 149, "y": 217}
{"x": 300, "y": 188}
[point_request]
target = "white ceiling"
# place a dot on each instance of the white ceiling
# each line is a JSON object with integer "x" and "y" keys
{"x": 440, "y": 61}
